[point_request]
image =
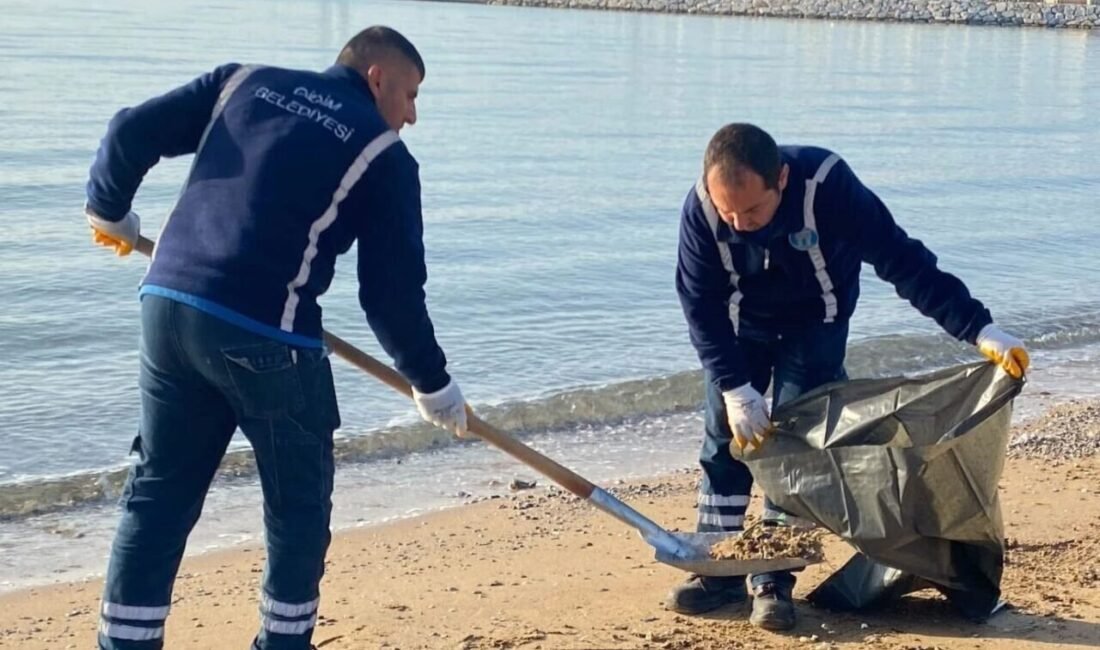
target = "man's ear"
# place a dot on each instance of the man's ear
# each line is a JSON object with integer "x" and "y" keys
{"x": 374, "y": 78}
{"x": 784, "y": 172}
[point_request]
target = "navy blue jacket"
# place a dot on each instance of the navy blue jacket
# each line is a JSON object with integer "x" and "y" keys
{"x": 803, "y": 268}
{"x": 290, "y": 168}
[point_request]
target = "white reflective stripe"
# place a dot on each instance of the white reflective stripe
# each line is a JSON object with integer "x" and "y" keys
{"x": 819, "y": 264}
{"x": 826, "y": 167}
{"x": 719, "y": 500}
{"x": 235, "y": 80}
{"x": 723, "y": 252}
{"x": 272, "y": 606}
{"x": 830, "y": 306}
{"x": 231, "y": 84}
{"x": 723, "y": 521}
{"x": 288, "y": 627}
{"x": 810, "y": 223}
{"x": 130, "y": 632}
{"x": 327, "y": 218}
{"x": 135, "y": 612}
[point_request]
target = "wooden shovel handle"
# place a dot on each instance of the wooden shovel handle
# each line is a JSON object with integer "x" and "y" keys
{"x": 144, "y": 245}
{"x": 563, "y": 476}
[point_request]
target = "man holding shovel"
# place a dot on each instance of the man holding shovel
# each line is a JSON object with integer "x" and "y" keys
{"x": 771, "y": 244}
{"x": 290, "y": 169}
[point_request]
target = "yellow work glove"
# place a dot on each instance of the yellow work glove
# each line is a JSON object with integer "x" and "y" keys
{"x": 120, "y": 235}
{"x": 1005, "y": 350}
{"x": 747, "y": 413}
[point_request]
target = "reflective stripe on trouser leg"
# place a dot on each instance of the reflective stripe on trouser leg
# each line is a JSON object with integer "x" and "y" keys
{"x": 726, "y": 482}
{"x": 721, "y": 513}
{"x": 278, "y": 617}
{"x": 285, "y": 624}
{"x": 120, "y": 623}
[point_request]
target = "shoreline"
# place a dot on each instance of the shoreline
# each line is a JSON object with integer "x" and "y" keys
{"x": 958, "y": 12}
{"x": 69, "y": 546}
{"x": 539, "y": 569}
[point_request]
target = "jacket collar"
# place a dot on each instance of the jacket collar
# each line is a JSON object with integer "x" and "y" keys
{"x": 352, "y": 76}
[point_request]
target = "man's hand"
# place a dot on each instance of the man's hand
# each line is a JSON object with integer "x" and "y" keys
{"x": 1005, "y": 350}
{"x": 747, "y": 413}
{"x": 444, "y": 408}
{"x": 120, "y": 235}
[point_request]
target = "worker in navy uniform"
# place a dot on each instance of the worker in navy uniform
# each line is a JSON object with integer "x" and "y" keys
{"x": 290, "y": 169}
{"x": 772, "y": 240}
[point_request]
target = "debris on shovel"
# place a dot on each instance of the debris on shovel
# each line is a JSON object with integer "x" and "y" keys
{"x": 761, "y": 542}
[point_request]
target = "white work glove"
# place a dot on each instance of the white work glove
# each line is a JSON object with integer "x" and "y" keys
{"x": 121, "y": 235}
{"x": 747, "y": 413}
{"x": 444, "y": 408}
{"x": 1005, "y": 350}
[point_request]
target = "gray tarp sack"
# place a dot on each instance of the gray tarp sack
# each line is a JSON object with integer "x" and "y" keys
{"x": 906, "y": 470}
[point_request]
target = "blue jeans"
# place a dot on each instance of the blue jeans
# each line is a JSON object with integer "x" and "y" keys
{"x": 201, "y": 378}
{"x": 794, "y": 362}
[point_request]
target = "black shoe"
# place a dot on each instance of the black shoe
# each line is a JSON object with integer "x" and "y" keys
{"x": 772, "y": 607}
{"x": 702, "y": 594}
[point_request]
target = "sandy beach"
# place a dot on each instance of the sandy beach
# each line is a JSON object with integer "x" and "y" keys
{"x": 537, "y": 569}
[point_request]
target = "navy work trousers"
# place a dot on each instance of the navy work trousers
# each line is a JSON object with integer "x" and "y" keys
{"x": 201, "y": 378}
{"x": 794, "y": 363}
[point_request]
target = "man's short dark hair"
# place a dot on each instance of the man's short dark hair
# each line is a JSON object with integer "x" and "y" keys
{"x": 373, "y": 44}
{"x": 740, "y": 147}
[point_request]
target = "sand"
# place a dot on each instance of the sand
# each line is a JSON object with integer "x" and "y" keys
{"x": 538, "y": 570}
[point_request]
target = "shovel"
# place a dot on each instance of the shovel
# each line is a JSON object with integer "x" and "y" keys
{"x": 687, "y": 551}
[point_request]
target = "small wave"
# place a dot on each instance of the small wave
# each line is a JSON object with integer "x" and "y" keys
{"x": 582, "y": 407}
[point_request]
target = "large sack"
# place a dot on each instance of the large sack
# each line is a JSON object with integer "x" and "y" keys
{"x": 906, "y": 470}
